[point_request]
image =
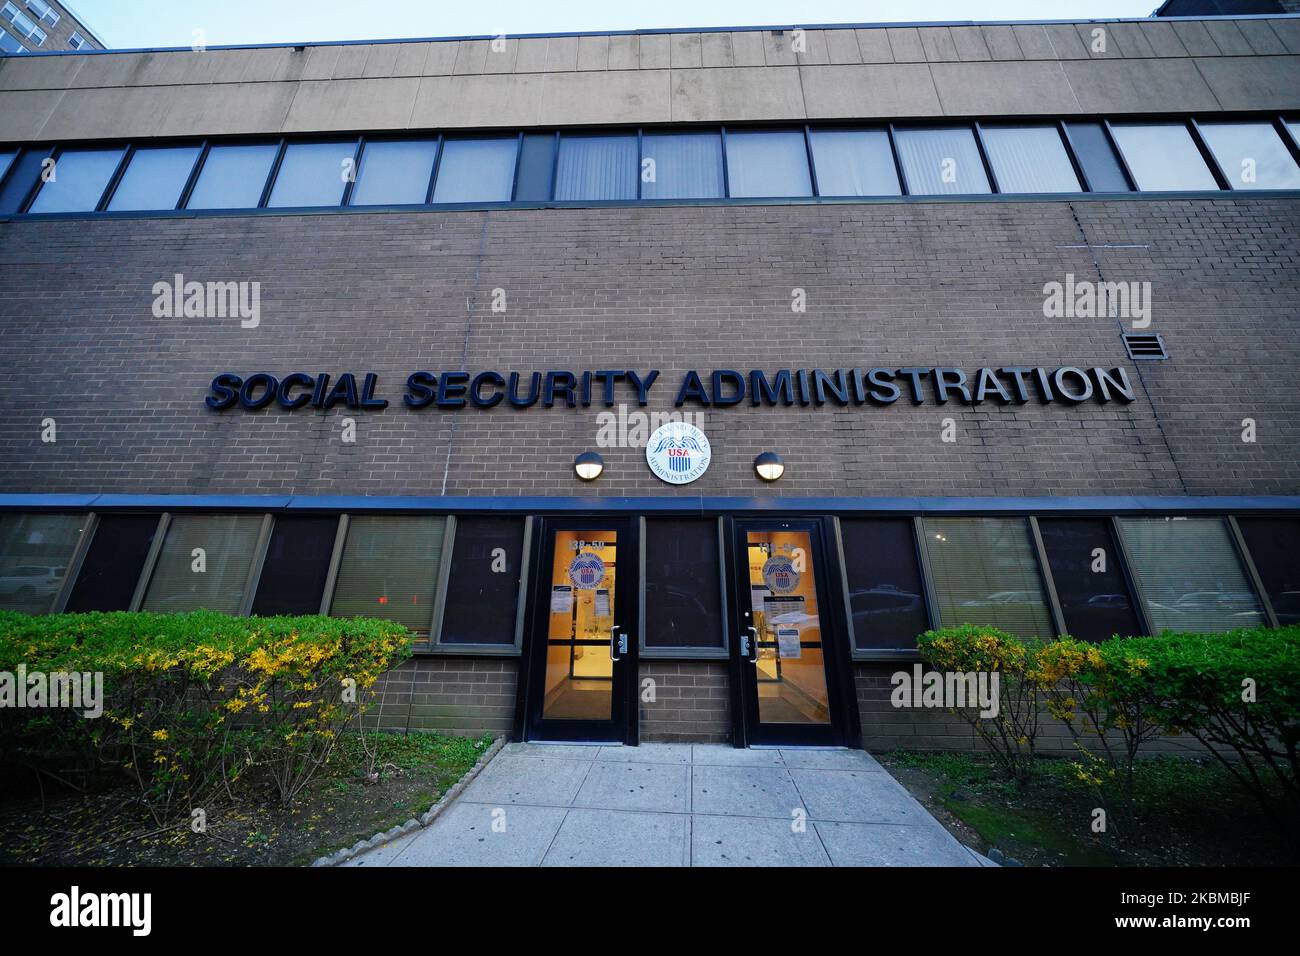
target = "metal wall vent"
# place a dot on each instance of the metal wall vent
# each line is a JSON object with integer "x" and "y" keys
{"x": 1145, "y": 345}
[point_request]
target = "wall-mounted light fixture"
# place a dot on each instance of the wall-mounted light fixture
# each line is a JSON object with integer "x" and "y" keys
{"x": 769, "y": 466}
{"x": 589, "y": 465}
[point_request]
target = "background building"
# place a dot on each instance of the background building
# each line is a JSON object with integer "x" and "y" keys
{"x": 895, "y": 207}
{"x": 27, "y": 26}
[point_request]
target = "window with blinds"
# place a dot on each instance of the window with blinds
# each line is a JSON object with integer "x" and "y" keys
{"x": 204, "y": 563}
{"x": 596, "y": 167}
{"x": 941, "y": 160}
{"x": 34, "y": 555}
{"x": 985, "y": 571}
{"x": 681, "y": 166}
{"x": 1190, "y": 574}
{"x": 389, "y": 569}
{"x": 1029, "y": 159}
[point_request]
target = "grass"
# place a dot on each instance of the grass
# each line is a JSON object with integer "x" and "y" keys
{"x": 1186, "y": 811}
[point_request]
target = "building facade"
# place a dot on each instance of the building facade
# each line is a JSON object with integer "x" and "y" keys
{"x": 861, "y": 330}
{"x": 42, "y": 26}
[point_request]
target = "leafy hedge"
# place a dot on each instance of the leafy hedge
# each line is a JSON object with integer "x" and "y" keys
{"x": 1237, "y": 693}
{"x": 193, "y": 702}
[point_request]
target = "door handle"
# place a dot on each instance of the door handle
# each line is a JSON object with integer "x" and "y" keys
{"x": 754, "y": 644}
{"x": 613, "y": 639}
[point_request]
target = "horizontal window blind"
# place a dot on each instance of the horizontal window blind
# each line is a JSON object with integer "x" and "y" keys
{"x": 389, "y": 569}
{"x": 985, "y": 571}
{"x": 203, "y": 563}
{"x": 1190, "y": 575}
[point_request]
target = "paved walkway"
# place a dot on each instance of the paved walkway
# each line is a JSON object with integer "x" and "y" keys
{"x": 679, "y": 805}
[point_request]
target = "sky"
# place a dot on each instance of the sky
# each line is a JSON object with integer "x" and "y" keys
{"x": 151, "y": 23}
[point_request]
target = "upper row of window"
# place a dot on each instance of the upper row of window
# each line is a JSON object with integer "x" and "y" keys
{"x": 1021, "y": 158}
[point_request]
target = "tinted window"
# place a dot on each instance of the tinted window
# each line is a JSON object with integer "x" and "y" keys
{"x": 1274, "y": 545}
{"x": 941, "y": 161}
{"x": 1100, "y": 164}
{"x": 1251, "y": 155}
{"x": 312, "y": 174}
{"x": 536, "y": 167}
{"x": 113, "y": 563}
{"x": 886, "y": 596}
{"x": 21, "y": 179}
{"x": 1190, "y": 575}
{"x": 233, "y": 177}
{"x": 768, "y": 163}
{"x": 683, "y": 584}
{"x": 389, "y": 569}
{"x": 34, "y": 555}
{"x": 596, "y": 167}
{"x": 1162, "y": 157}
{"x": 204, "y": 563}
{"x": 1029, "y": 159}
{"x": 80, "y": 177}
{"x": 985, "y": 571}
{"x": 297, "y": 561}
{"x": 1089, "y": 578}
{"x": 854, "y": 162}
{"x": 685, "y": 166}
{"x": 476, "y": 170}
{"x": 394, "y": 172}
{"x": 6, "y": 159}
{"x": 483, "y": 583}
{"x": 154, "y": 178}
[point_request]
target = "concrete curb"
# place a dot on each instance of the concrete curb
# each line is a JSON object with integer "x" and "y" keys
{"x": 411, "y": 825}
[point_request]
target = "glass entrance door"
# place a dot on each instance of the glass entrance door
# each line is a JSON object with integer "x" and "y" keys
{"x": 790, "y": 667}
{"x": 582, "y": 660}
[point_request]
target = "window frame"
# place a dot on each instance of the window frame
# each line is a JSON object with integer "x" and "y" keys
{"x": 1058, "y": 126}
{"x": 57, "y": 151}
{"x": 314, "y": 140}
{"x": 120, "y": 173}
{"x": 1188, "y": 124}
{"x": 364, "y": 142}
{"x": 927, "y": 594}
{"x": 645, "y": 652}
{"x": 941, "y": 124}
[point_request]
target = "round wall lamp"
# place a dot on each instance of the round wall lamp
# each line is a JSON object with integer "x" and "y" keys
{"x": 589, "y": 465}
{"x": 769, "y": 466}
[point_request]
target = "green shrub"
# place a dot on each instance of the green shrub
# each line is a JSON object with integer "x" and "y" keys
{"x": 194, "y": 701}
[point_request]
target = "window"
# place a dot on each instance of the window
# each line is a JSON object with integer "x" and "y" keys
{"x": 23, "y": 25}
{"x": 596, "y": 167}
{"x": 44, "y": 11}
{"x": 985, "y": 571}
{"x": 6, "y": 160}
{"x": 1162, "y": 157}
{"x": 34, "y": 554}
{"x": 154, "y": 178}
{"x": 1189, "y": 574}
{"x": 10, "y": 44}
{"x": 536, "y": 167}
{"x": 80, "y": 177}
{"x": 683, "y": 584}
{"x": 482, "y": 602}
{"x": 312, "y": 174}
{"x": 389, "y": 569}
{"x": 1029, "y": 159}
{"x": 1093, "y": 151}
{"x": 886, "y": 593}
{"x": 1089, "y": 576}
{"x": 854, "y": 162}
{"x": 204, "y": 563}
{"x": 684, "y": 166}
{"x": 233, "y": 177}
{"x": 297, "y": 561}
{"x": 394, "y": 172}
{"x": 1251, "y": 155}
{"x": 1274, "y": 546}
{"x": 767, "y": 163}
{"x": 22, "y": 177}
{"x": 113, "y": 563}
{"x": 941, "y": 161}
{"x": 76, "y": 41}
{"x": 476, "y": 170}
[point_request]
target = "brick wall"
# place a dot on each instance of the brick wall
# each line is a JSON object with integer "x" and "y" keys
{"x": 655, "y": 287}
{"x": 449, "y": 695}
{"x": 691, "y": 702}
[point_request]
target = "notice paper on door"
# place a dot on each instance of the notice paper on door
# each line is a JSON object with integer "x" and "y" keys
{"x": 602, "y": 602}
{"x": 787, "y": 642}
{"x": 561, "y": 599}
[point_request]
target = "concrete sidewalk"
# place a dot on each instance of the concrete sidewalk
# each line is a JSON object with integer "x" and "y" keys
{"x": 679, "y": 805}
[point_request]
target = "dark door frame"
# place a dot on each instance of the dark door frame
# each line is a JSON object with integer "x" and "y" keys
{"x": 622, "y": 726}
{"x": 844, "y": 729}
